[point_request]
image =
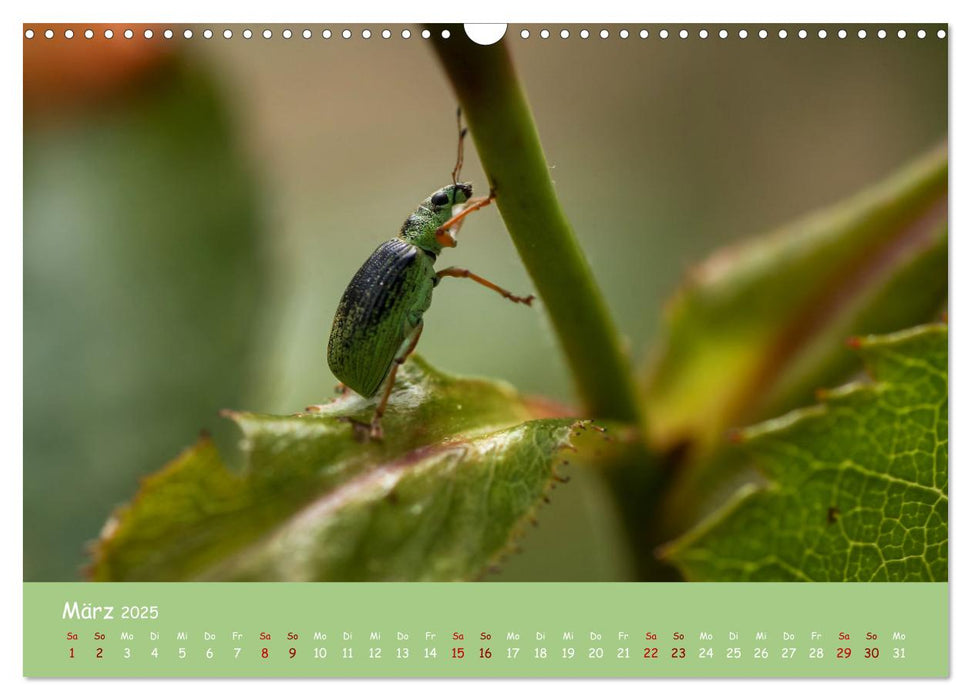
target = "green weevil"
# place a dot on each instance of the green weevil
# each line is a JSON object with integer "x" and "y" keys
{"x": 379, "y": 317}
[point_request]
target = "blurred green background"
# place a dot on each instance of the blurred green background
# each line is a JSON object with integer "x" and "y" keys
{"x": 194, "y": 209}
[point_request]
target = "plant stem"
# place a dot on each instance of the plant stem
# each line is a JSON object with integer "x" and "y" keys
{"x": 505, "y": 136}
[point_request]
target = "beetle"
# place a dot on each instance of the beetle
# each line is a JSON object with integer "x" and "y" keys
{"x": 380, "y": 316}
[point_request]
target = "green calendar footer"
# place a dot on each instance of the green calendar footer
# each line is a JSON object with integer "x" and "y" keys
{"x": 485, "y": 630}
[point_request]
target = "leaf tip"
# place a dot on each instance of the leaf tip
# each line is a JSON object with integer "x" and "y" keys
{"x": 662, "y": 551}
{"x": 736, "y": 436}
{"x": 668, "y": 553}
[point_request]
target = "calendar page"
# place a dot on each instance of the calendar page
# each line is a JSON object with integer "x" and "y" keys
{"x": 485, "y": 351}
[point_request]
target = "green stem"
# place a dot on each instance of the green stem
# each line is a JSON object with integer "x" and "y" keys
{"x": 505, "y": 136}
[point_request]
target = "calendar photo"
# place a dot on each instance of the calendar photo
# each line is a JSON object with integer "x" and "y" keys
{"x": 572, "y": 310}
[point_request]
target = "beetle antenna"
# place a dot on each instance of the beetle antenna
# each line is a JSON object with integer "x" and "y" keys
{"x": 460, "y": 158}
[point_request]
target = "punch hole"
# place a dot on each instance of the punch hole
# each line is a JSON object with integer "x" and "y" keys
{"x": 485, "y": 34}
{"x": 544, "y": 34}
{"x": 723, "y": 34}
{"x": 921, "y": 33}
{"x": 861, "y": 33}
{"x": 901, "y": 34}
{"x": 247, "y": 34}
{"x": 821, "y": 33}
{"x": 29, "y": 34}
{"x": 882, "y": 34}
{"x": 941, "y": 33}
{"x": 326, "y": 34}
{"x": 405, "y": 33}
{"x": 425, "y": 34}
{"x": 841, "y": 33}
{"x": 803, "y": 33}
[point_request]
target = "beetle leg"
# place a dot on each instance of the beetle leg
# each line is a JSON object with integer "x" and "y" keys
{"x": 461, "y": 272}
{"x": 376, "y": 432}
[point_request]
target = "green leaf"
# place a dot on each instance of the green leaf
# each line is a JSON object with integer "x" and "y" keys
{"x": 460, "y": 472}
{"x": 856, "y": 487}
{"x": 758, "y": 327}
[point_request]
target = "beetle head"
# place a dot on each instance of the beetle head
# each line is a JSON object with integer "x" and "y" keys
{"x": 422, "y": 227}
{"x": 447, "y": 197}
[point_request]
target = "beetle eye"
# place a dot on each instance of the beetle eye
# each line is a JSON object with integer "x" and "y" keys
{"x": 439, "y": 198}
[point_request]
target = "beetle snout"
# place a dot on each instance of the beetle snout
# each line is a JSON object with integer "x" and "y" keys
{"x": 465, "y": 188}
